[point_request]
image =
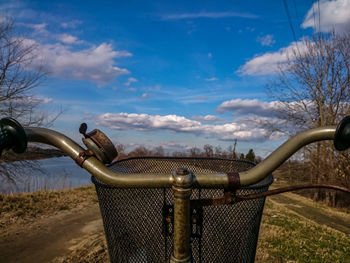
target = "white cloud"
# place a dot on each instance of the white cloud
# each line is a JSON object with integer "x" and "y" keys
{"x": 262, "y": 109}
{"x": 264, "y": 114}
{"x": 68, "y": 39}
{"x": 206, "y": 118}
{"x": 145, "y": 122}
{"x": 266, "y": 40}
{"x": 96, "y": 64}
{"x": 38, "y": 27}
{"x": 255, "y": 106}
{"x": 71, "y": 24}
{"x": 130, "y": 80}
{"x": 212, "y": 15}
{"x": 46, "y": 100}
{"x": 32, "y": 100}
{"x": 211, "y": 79}
{"x": 332, "y": 15}
{"x": 200, "y": 98}
{"x": 175, "y": 146}
{"x": 144, "y": 96}
{"x": 269, "y": 63}
{"x": 168, "y": 146}
{"x": 3, "y": 19}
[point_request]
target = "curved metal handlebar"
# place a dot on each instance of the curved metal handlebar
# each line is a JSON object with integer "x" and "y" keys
{"x": 105, "y": 175}
{"x": 93, "y": 165}
{"x": 282, "y": 153}
{"x": 341, "y": 134}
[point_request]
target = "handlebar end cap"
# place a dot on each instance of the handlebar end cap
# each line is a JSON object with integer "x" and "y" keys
{"x": 18, "y": 140}
{"x": 342, "y": 135}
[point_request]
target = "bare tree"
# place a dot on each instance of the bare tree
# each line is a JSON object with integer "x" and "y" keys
{"x": 121, "y": 150}
{"x": 158, "y": 151}
{"x": 313, "y": 89}
{"x": 194, "y": 152}
{"x": 208, "y": 150}
{"x": 139, "y": 151}
{"x": 19, "y": 75}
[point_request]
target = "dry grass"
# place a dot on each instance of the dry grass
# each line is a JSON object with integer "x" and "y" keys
{"x": 90, "y": 250}
{"x": 26, "y": 207}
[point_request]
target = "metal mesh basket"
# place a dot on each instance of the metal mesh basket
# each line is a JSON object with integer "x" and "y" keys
{"x": 135, "y": 219}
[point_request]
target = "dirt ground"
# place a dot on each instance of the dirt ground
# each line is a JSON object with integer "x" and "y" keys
{"x": 57, "y": 238}
{"x": 77, "y": 235}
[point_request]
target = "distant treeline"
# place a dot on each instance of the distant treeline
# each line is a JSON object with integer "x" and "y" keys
{"x": 299, "y": 172}
{"x": 32, "y": 153}
{"x": 207, "y": 151}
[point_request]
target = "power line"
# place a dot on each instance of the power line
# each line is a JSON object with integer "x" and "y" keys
{"x": 313, "y": 13}
{"x": 297, "y": 16}
{"x": 289, "y": 20}
{"x": 291, "y": 25}
{"x": 319, "y": 16}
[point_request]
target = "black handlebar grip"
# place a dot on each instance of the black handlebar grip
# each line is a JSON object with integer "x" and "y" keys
{"x": 342, "y": 135}
{"x": 12, "y": 136}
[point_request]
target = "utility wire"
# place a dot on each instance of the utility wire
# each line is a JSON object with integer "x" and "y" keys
{"x": 297, "y": 16}
{"x": 319, "y": 16}
{"x": 313, "y": 13}
{"x": 291, "y": 24}
{"x": 289, "y": 20}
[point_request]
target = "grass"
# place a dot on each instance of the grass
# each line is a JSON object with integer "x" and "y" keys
{"x": 29, "y": 206}
{"x": 288, "y": 237}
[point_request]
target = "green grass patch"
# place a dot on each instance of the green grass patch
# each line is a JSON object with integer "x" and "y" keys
{"x": 287, "y": 237}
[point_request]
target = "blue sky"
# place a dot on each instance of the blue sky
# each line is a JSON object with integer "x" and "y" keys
{"x": 173, "y": 73}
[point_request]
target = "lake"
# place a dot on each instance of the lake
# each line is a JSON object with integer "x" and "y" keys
{"x": 56, "y": 174}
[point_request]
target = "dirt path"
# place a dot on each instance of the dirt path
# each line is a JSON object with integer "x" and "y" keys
{"x": 51, "y": 237}
{"x": 316, "y": 212}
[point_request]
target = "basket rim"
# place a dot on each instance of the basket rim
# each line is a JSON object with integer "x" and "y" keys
{"x": 178, "y": 158}
{"x": 254, "y": 186}
{"x": 270, "y": 177}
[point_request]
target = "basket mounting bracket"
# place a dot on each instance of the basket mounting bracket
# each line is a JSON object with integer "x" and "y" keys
{"x": 196, "y": 221}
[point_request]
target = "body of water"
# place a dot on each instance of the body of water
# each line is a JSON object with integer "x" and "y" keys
{"x": 55, "y": 174}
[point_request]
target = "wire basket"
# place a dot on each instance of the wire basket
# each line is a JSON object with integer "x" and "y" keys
{"x": 136, "y": 219}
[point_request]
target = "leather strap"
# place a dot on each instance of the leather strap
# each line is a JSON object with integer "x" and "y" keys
{"x": 82, "y": 157}
{"x": 233, "y": 180}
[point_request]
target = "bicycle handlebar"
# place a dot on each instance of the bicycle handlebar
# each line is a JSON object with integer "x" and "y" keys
{"x": 282, "y": 153}
{"x": 340, "y": 134}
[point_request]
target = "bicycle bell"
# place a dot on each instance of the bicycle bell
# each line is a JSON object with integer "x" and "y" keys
{"x": 99, "y": 144}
